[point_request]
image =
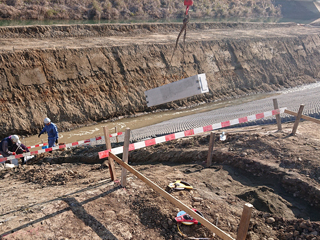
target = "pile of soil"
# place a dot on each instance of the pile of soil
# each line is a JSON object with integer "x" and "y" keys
{"x": 57, "y": 197}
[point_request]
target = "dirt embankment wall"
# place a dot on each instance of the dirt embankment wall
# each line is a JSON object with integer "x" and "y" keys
{"x": 80, "y": 86}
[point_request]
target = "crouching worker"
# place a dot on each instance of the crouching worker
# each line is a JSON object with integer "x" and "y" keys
{"x": 52, "y": 131}
{"x": 11, "y": 146}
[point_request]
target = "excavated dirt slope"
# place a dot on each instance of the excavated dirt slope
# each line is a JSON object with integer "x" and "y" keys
{"x": 80, "y": 74}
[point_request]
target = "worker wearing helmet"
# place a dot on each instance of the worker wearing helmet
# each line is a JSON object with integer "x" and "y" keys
{"x": 11, "y": 146}
{"x": 52, "y": 131}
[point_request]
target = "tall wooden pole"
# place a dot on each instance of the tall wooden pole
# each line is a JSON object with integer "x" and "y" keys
{"x": 110, "y": 160}
{"x": 125, "y": 156}
{"x": 276, "y": 106}
{"x": 296, "y": 123}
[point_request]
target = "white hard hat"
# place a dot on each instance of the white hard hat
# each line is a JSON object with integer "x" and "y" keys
{"x": 223, "y": 136}
{"x": 47, "y": 120}
{"x": 15, "y": 139}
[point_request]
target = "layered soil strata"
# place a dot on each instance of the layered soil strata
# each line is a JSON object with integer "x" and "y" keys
{"x": 100, "y": 72}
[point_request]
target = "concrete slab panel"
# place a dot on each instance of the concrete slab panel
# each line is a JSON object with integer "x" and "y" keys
{"x": 183, "y": 88}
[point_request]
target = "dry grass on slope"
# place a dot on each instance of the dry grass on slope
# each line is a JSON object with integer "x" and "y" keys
{"x": 133, "y": 9}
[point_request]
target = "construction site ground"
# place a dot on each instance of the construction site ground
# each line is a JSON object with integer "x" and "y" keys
{"x": 69, "y": 194}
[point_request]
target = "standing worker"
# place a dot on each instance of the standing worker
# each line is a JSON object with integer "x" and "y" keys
{"x": 52, "y": 131}
{"x": 11, "y": 146}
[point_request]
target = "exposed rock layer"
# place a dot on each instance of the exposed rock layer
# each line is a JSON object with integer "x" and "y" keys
{"x": 75, "y": 86}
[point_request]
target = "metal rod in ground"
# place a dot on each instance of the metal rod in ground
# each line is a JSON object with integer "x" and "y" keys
{"x": 296, "y": 123}
{"x": 125, "y": 156}
{"x": 211, "y": 143}
{"x": 278, "y": 118}
{"x": 244, "y": 222}
{"x": 110, "y": 160}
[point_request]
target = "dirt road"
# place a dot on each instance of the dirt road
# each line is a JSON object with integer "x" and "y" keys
{"x": 163, "y": 36}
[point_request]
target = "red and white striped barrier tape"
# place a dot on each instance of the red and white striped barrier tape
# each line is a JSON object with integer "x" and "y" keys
{"x": 86, "y": 141}
{"x": 57, "y": 147}
{"x": 153, "y": 141}
{"x": 38, "y": 145}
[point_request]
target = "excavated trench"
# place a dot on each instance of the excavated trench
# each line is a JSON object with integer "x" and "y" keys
{"x": 288, "y": 193}
{"x": 84, "y": 74}
{"x": 271, "y": 186}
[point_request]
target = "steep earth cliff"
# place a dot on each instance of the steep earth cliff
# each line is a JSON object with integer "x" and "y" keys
{"x": 80, "y": 74}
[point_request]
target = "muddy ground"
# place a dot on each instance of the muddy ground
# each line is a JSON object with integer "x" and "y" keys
{"x": 59, "y": 196}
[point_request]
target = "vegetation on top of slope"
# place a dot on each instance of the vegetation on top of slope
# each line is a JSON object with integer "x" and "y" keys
{"x": 133, "y": 9}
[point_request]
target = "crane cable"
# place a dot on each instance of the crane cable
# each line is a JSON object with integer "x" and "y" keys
{"x": 187, "y": 3}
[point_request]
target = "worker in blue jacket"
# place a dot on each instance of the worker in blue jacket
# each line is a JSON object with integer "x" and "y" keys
{"x": 52, "y": 131}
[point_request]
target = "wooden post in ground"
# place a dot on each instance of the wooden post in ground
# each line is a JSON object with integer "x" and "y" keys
{"x": 125, "y": 156}
{"x": 116, "y": 130}
{"x": 244, "y": 222}
{"x": 211, "y": 143}
{"x": 296, "y": 123}
{"x": 173, "y": 200}
{"x": 276, "y": 106}
{"x": 110, "y": 160}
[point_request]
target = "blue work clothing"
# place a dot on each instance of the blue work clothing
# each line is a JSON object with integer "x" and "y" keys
{"x": 51, "y": 142}
{"x": 52, "y": 132}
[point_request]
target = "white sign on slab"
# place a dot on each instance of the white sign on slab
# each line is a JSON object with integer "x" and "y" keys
{"x": 183, "y": 88}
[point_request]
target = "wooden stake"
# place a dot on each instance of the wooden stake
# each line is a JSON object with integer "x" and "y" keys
{"x": 116, "y": 130}
{"x": 244, "y": 222}
{"x": 173, "y": 200}
{"x": 110, "y": 160}
{"x": 211, "y": 143}
{"x": 296, "y": 123}
{"x": 125, "y": 157}
{"x": 275, "y": 105}
{"x": 303, "y": 116}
